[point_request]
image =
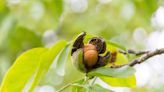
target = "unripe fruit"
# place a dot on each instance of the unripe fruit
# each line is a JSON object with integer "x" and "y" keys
{"x": 90, "y": 55}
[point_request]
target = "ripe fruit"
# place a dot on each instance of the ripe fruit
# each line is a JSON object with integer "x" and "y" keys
{"x": 85, "y": 57}
{"x": 90, "y": 55}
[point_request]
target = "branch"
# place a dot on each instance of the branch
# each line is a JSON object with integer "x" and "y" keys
{"x": 143, "y": 58}
{"x": 130, "y": 51}
{"x": 146, "y": 56}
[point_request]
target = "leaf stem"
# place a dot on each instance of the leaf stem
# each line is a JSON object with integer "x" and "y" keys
{"x": 64, "y": 87}
{"x": 68, "y": 85}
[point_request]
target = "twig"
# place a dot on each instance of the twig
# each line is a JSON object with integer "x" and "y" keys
{"x": 130, "y": 51}
{"x": 146, "y": 56}
{"x": 143, "y": 58}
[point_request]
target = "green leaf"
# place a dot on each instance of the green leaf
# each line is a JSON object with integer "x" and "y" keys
{"x": 120, "y": 82}
{"x": 46, "y": 60}
{"x": 112, "y": 72}
{"x": 35, "y": 63}
{"x": 79, "y": 88}
{"x": 117, "y": 45}
{"x": 88, "y": 37}
{"x": 89, "y": 88}
{"x": 98, "y": 88}
{"x": 61, "y": 60}
{"x": 77, "y": 59}
{"x": 22, "y": 70}
{"x": 120, "y": 59}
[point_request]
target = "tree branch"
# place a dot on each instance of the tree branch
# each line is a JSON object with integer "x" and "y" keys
{"x": 130, "y": 51}
{"x": 146, "y": 56}
{"x": 142, "y": 58}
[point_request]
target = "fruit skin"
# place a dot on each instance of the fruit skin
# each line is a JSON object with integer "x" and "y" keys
{"x": 90, "y": 55}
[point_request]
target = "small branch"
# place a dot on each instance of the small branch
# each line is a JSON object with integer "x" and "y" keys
{"x": 130, "y": 51}
{"x": 146, "y": 56}
{"x": 143, "y": 58}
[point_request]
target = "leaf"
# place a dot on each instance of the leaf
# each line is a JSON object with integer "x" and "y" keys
{"x": 88, "y": 37}
{"x": 116, "y": 77}
{"x": 22, "y": 70}
{"x": 77, "y": 59}
{"x": 120, "y": 82}
{"x": 112, "y": 72}
{"x": 61, "y": 60}
{"x": 89, "y": 88}
{"x": 76, "y": 88}
{"x": 46, "y": 60}
{"x": 98, "y": 88}
{"x": 117, "y": 45}
{"x": 120, "y": 59}
{"x": 114, "y": 47}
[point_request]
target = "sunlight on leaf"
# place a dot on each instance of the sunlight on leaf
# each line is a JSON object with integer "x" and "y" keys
{"x": 112, "y": 72}
{"x": 78, "y": 88}
{"x": 89, "y": 88}
{"x": 120, "y": 82}
{"x": 61, "y": 60}
{"x": 98, "y": 88}
{"x": 46, "y": 60}
{"x": 22, "y": 70}
{"x": 77, "y": 59}
{"x": 115, "y": 44}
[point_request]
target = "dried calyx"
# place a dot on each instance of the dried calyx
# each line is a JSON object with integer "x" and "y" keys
{"x": 86, "y": 57}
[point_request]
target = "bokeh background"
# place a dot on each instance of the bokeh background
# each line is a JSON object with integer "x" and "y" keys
{"x": 136, "y": 24}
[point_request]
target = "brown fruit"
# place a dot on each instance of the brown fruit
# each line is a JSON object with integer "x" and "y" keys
{"x": 85, "y": 57}
{"x": 90, "y": 55}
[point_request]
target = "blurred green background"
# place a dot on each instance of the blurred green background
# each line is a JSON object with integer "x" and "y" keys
{"x": 26, "y": 24}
